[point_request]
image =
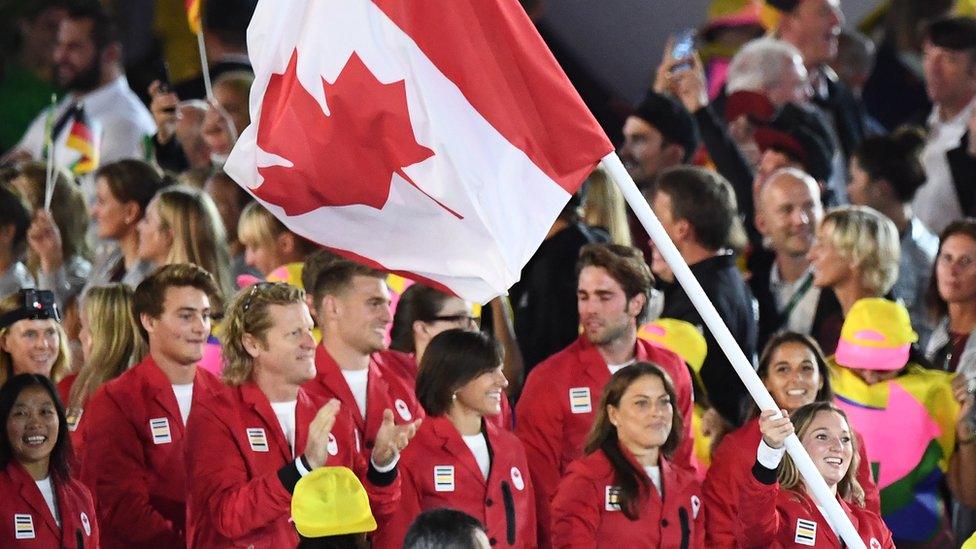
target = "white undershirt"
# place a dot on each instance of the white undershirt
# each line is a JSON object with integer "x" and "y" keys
{"x": 356, "y": 380}
{"x": 654, "y": 472}
{"x": 184, "y": 397}
{"x": 44, "y": 485}
{"x": 614, "y": 368}
{"x": 479, "y": 447}
{"x": 285, "y": 412}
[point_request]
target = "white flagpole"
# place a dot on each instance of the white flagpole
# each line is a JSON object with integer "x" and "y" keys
{"x": 204, "y": 67}
{"x": 811, "y": 476}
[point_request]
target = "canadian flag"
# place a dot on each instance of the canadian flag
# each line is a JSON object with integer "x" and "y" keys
{"x": 435, "y": 138}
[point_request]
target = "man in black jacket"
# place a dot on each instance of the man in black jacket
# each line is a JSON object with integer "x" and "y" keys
{"x": 698, "y": 210}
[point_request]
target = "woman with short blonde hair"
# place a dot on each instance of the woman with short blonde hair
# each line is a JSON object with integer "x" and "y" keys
{"x": 268, "y": 244}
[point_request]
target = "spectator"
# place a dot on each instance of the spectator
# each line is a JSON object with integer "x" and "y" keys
{"x": 225, "y": 34}
{"x": 134, "y": 451}
{"x": 245, "y": 494}
{"x": 949, "y": 62}
{"x": 827, "y": 437}
{"x": 879, "y": 378}
{"x": 794, "y": 371}
{"x": 814, "y": 27}
{"x": 614, "y": 495}
{"x": 855, "y": 255}
{"x": 182, "y": 225}
{"x": 770, "y": 67}
{"x": 542, "y": 299}
{"x": 788, "y": 213}
{"x": 28, "y": 68}
{"x": 729, "y": 26}
{"x": 459, "y": 459}
{"x": 230, "y": 199}
{"x": 268, "y": 244}
{"x": 32, "y": 472}
{"x": 952, "y": 296}
{"x": 31, "y": 338}
{"x": 353, "y": 305}
{"x": 604, "y": 207}
{"x": 885, "y": 173}
{"x": 440, "y": 528}
{"x": 88, "y": 58}
{"x": 556, "y": 409}
{"x": 59, "y": 254}
{"x": 660, "y": 134}
{"x": 123, "y": 190}
{"x": 698, "y": 211}
{"x": 110, "y": 345}
{"x": 15, "y": 219}
{"x": 854, "y": 61}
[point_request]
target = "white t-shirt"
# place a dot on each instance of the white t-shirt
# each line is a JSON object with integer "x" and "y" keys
{"x": 614, "y": 368}
{"x": 184, "y": 397}
{"x": 47, "y": 490}
{"x": 654, "y": 472}
{"x": 479, "y": 447}
{"x": 357, "y": 380}
{"x": 285, "y": 412}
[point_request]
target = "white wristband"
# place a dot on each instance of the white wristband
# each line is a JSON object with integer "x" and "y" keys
{"x": 769, "y": 457}
{"x": 386, "y": 468}
{"x": 300, "y": 465}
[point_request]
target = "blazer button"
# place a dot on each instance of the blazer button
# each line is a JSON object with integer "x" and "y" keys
{"x": 492, "y": 541}
{"x": 664, "y": 523}
{"x": 489, "y": 502}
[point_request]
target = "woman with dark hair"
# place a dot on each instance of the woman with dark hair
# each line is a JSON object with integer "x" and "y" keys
{"x": 421, "y": 314}
{"x": 952, "y": 296}
{"x": 775, "y": 483}
{"x": 885, "y": 173}
{"x": 625, "y": 492}
{"x": 41, "y": 501}
{"x": 458, "y": 459}
{"x": 795, "y": 373}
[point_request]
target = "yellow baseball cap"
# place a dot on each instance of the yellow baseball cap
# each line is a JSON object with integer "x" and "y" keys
{"x": 678, "y": 336}
{"x": 877, "y": 335}
{"x": 330, "y": 501}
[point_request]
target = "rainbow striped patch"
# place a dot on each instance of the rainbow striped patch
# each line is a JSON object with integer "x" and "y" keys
{"x": 159, "y": 429}
{"x": 24, "y": 527}
{"x": 806, "y": 532}
{"x": 444, "y": 478}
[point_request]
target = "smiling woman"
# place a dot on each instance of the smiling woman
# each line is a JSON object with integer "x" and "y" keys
{"x": 41, "y": 499}
{"x": 31, "y": 342}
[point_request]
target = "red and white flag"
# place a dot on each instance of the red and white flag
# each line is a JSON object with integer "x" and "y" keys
{"x": 436, "y": 138}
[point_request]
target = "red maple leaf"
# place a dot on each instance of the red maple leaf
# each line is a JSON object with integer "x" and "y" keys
{"x": 346, "y": 158}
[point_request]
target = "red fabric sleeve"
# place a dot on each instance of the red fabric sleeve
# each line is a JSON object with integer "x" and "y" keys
{"x": 539, "y": 425}
{"x": 114, "y": 468}
{"x": 394, "y": 529}
{"x": 720, "y": 495}
{"x": 872, "y": 498}
{"x": 218, "y": 483}
{"x": 575, "y": 513}
{"x": 759, "y": 518}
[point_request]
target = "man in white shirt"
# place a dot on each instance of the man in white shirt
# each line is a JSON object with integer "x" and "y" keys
{"x": 949, "y": 62}
{"x": 88, "y": 65}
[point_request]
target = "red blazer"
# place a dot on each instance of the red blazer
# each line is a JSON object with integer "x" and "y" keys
{"x": 26, "y": 520}
{"x": 732, "y": 465}
{"x": 796, "y": 521}
{"x": 383, "y": 391}
{"x": 556, "y": 410}
{"x": 439, "y": 470}
{"x": 235, "y": 496}
{"x": 583, "y": 517}
{"x": 133, "y": 460}
{"x": 404, "y": 367}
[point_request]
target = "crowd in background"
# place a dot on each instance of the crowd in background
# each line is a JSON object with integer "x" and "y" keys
{"x": 178, "y": 368}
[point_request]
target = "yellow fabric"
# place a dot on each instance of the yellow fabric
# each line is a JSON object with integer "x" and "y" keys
{"x": 678, "y": 336}
{"x": 703, "y": 444}
{"x": 968, "y": 9}
{"x": 330, "y": 501}
{"x": 970, "y": 543}
{"x": 890, "y": 318}
{"x": 179, "y": 43}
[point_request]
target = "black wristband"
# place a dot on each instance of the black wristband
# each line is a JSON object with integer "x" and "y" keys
{"x": 763, "y": 474}
{"x": 377, "y": 478}
{"x": 289, "y": 476}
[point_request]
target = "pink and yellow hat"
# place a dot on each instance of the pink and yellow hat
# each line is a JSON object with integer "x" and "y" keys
{"x": 877, "y": 335}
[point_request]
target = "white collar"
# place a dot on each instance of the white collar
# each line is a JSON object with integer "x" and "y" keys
{"x": 102, "y": 96}
{"x": 961, "y": 118}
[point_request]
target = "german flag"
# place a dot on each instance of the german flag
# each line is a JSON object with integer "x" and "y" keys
{"x": 193, "y": 15}
{"x": 81, "y": 139}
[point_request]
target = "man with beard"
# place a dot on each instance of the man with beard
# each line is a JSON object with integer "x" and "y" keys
{"x": 562, "y": 394}
{"x": 88, "y": 66}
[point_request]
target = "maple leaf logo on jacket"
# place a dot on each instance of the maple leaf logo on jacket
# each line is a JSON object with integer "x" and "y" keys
{"x": 346, "y": 158}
